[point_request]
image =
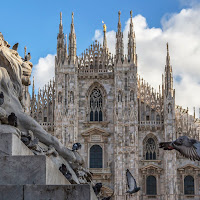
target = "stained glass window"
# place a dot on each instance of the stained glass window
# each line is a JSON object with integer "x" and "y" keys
{"x": 150, "y": 149}
{"x": 95, "y": 156}
{"x": 96, "y": 104}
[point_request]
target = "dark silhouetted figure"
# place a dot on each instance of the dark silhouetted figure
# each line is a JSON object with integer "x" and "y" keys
{"x": 76, "y": 147}
{"x": 12, "y": 119}
{"x": 97, "y": 188}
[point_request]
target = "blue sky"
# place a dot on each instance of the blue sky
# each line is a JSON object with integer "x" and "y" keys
{"x": 156, "y": 22}
{"x": 35, "y": 23}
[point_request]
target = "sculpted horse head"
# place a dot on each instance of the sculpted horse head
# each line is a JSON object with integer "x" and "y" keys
{"x": 19, "y": 70}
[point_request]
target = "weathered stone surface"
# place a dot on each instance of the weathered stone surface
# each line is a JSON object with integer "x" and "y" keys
{"x": 47, "y": 192}
{"x": 10, "y": 144}
{"x": 58, "y": 192}
{"x": 11, "y": 192}
{"x": 21, "y": 170}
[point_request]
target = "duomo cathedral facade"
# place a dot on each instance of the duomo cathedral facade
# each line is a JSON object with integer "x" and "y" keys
{"x": 100, "y": 101}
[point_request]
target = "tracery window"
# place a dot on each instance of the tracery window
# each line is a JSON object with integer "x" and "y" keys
{"x": 150, "y": 149}
{"x": 188, "y": 185}
{"x": 151, "y": 185}
{"x": 96, "y": 157}
{"x": 96, "y": 105}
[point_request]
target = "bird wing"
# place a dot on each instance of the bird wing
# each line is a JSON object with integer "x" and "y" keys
{"x": 192, "y": 152}
{"x": 130, "y": 180}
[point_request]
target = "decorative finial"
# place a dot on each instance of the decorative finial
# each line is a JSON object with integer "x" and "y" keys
{"x": 60, "y": 18}
{"x": 119, "y": 13}
{"x": 167, "y": 47}
{"x": 131, "y": 13}
{"x": 104, "y": 27}
{"x": 72, "y": 17}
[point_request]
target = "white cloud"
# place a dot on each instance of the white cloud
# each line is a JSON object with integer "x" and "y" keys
{"x": 44, "y": 71}
{"x": 182, "y": 31}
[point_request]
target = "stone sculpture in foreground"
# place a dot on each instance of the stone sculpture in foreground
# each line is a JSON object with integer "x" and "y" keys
{"x": 14, "y": 73}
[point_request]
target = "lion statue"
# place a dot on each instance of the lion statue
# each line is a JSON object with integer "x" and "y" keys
{"x": 14, "y": 73}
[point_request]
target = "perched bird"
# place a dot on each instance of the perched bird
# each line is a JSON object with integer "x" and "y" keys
{"x": 76, "y": 146}
{"x": 28, "y": 57}
{"x": 1, "y": 98}
{"x": 65, "y": 172}
{"x": 26, "y": 140}
{"x": 12, "y": 119}
{"x": 132, "y": 186}
{"x": 68, "y": 176}
{"x": 15, "y": 47}
{"x": 97, "y": 188}
{"x": 189, "y": 148}
{"x": 63, "y": 169}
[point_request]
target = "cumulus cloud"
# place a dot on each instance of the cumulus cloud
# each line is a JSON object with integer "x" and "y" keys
{"x": 181, "y": 31}
{"x": 43, "y": 71}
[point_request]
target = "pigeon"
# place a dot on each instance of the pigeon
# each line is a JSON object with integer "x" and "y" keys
{"x": 1, "y": 98}
{"x": 15, "y": 47}
{"x": 76, "y": 146}
{"x": 132, "y": 186}
{"x": 26, "y": 140}
{"x": 97, "y": 188}
{"x": 68, "y": 176}
{"x": 189, "y": 148}
{"x": 12, "y": 119}
{"x": 28, "y": 57}
{"x": 65, "y": 172}
{"x": 63, "y": 169}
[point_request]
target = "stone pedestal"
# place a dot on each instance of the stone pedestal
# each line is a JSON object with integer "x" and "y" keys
{"x": 21, "y": 170}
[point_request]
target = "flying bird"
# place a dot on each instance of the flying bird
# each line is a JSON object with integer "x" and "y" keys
{"x": 12, "y": 119}
{"x": 189, "y": 148}
{"x": 132, "y": 185}
{"x": 97, "y": 188}
{"x": 1, "y": 98}
{"x": 76, "y": 146}
{"x": 15, "y": 47}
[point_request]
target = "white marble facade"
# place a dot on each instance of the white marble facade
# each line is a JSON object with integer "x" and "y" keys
{"x": 100, "y": 101}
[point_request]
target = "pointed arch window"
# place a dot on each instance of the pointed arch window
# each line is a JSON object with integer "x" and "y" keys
{"x": 151, "y": 185}
{"x": 96, "y": 157}
{"x": 150, "y": 149}
{"x": 96, "y": 105}
{"x": 188, "y": 185}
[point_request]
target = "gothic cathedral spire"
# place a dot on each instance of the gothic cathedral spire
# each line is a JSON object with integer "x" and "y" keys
{"x": 132, "y": 56}
{"x": 168, "y": 76}
{"x": 60, "y": 41}
{"x": 72, "y": 43}
{"x": 119, "y": 43}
